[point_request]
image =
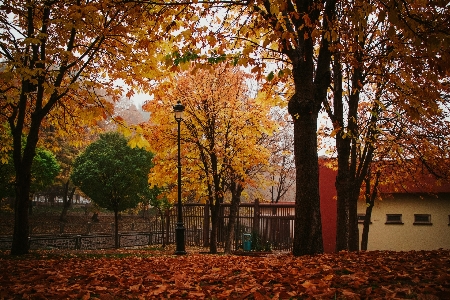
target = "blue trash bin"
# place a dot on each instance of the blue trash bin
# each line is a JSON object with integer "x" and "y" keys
{"x": 247, "y": 241}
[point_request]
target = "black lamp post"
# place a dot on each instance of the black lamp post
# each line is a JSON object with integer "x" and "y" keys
{"x": 179, "y": 230}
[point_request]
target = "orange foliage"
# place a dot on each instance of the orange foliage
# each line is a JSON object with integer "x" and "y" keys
{"x": 220, "y": 132}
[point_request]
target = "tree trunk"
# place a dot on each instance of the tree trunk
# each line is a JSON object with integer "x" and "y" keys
{"x": 311, "y": 86}
{"x": 21, "y": 223}
{"x": 236, "y": 191}
{"x": 162, "y": 227}
{"x": 116, "y": 229}
{"x": 347, "y": 183}
{"x": 304, "y": 111}
{"x": 366, "y": 225}
{"x": 370, "y": 201}
{"x": 347, "y": 237}
{"x": 308, "y": 223}
{"x": 30, "y": 206}
{"x": 22, "y": 165}
{"x": 214, "y": 226}
{"x": 67, "y": 201}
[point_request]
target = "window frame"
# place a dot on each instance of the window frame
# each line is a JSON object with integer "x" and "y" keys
{"x": 389, "y": 222}
{"x": 427, "y": 222}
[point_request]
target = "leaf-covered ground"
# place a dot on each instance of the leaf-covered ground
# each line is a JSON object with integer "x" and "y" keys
{"x": 146, "y": 274}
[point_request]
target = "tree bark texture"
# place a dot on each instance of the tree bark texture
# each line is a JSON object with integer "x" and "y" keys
{"x": 236, "y": 191}
{"x": 347, "y": 235}
{"x": 214, "y": 226}
{"x": 370, "y": 202}
{"x": 308, "y": 224}
{"x": 22, "y": 165}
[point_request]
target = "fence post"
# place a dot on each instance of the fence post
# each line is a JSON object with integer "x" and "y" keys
{"x": 256, "y": 214}
{"x": 206, "y": 225}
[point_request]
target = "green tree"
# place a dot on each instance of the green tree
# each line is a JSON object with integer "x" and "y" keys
{"x": 112, "y": 174}
{"x": 44, "y": 170}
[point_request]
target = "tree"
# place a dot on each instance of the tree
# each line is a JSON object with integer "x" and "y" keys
{"x": 44, "y": 170}
{"x": 113, "y": 175}
{"x": 302, "y": 37}
{"x": 379, "y": 77}
{"x": 282, "y": 159}
{"x": 220, "y": 133}
{"x": 298, "y": 35}
{"x": 59, "y": 59}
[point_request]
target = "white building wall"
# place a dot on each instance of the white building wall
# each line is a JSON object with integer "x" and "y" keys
{"x": 408, "y": 236}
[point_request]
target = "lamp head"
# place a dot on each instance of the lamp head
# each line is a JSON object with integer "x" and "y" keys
{"x": 178, "y": 109}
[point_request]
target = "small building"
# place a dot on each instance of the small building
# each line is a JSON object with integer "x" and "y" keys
{"x": 412, "y": 216}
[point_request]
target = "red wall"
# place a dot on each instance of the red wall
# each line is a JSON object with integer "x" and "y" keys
{"x": 328, "y": 210}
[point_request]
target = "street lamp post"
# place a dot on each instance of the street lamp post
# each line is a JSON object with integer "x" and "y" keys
{"x": 179, "y": 230}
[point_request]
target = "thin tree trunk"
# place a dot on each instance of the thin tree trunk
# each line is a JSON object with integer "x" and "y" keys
{"x": 366, "y": 225}
{"x": 162, "y": 227}
{"x": 67, "y": 201}
{"x": 236, "y": 191}
{"x": 214, "y": 226}
{"x": 22, "y": 164}
{"x": 370, "y": 201}
{"x": 347, "y": 237}
{"x": 116, "y": 229}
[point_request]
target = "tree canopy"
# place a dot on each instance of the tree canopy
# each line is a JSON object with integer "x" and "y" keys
{"x": 111, "y": 173}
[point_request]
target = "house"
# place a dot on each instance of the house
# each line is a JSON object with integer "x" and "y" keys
{"x": 413, "y": 215}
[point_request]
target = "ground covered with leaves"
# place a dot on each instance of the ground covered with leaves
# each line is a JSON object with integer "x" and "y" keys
{"x": 151, "y": 274}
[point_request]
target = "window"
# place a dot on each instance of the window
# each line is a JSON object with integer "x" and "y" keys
{"x": 361, "y": 218}
{"x": 394, "y": 219}
{"x": 422, "y": 219}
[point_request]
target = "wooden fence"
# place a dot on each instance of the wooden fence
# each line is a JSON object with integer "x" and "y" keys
{"x": 271, "y": 225}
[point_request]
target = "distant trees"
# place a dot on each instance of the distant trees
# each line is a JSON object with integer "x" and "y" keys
{"x": 113, "y": 175}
